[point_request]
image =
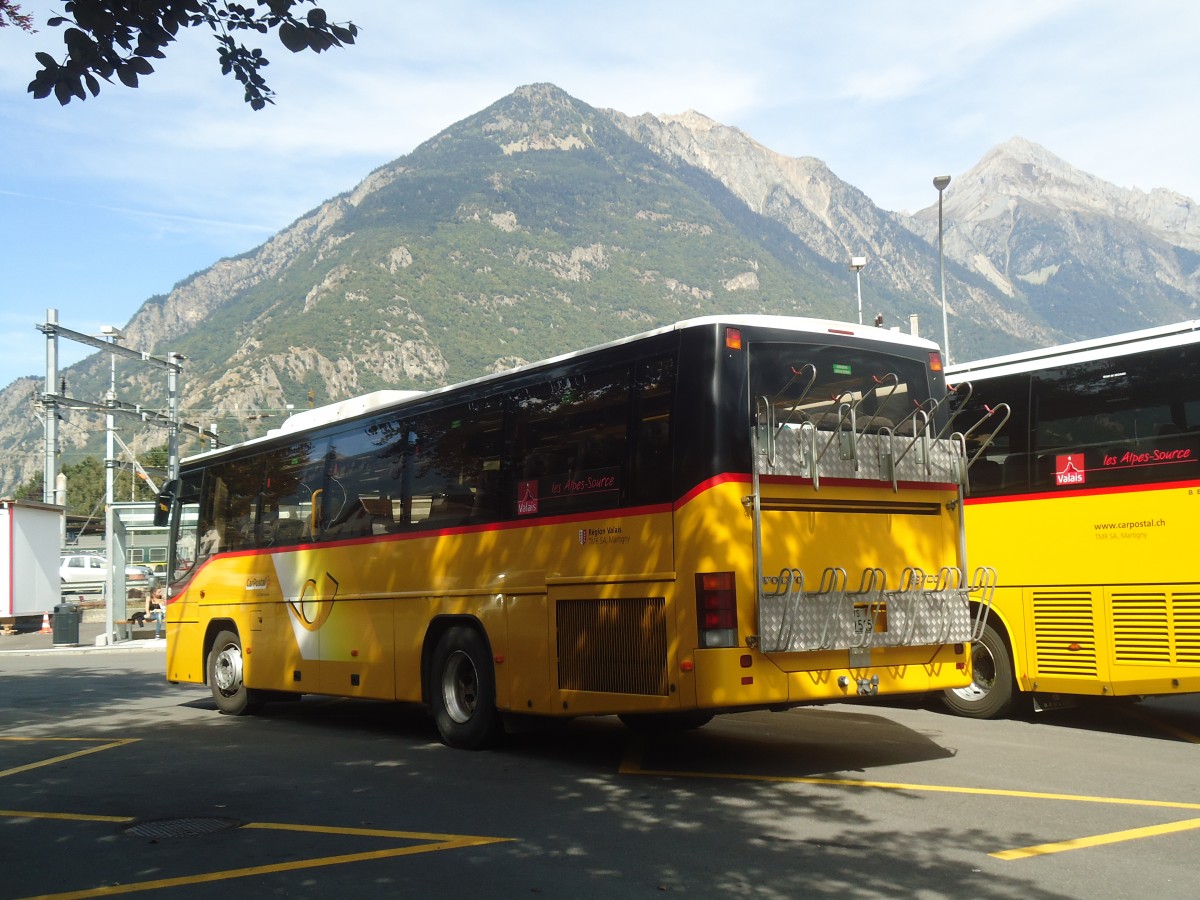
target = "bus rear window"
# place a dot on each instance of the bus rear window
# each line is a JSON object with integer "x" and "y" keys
{"x": 812, "y": 383}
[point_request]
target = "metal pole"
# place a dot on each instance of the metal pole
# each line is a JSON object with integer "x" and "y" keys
{"x": 110, "y": 544}
{"x": 940, "y": 182}
{"x": 858, "y": 287}
{"x": 50, "y": 409}
{"x": 856, "y": 266}
{"x": 173, "y": 412}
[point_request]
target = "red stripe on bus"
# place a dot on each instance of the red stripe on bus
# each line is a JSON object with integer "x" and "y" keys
{"x": 1092, "y": 492}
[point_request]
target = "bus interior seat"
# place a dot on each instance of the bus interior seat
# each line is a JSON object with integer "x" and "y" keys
{"x": 378, "y": 512}
{"x": 452, "y": 508}
{"x": 290, "y": 531}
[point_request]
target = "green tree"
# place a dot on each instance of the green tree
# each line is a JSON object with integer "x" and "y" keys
{"x": 106, "y": 38}
{"x": 86, "y": 484}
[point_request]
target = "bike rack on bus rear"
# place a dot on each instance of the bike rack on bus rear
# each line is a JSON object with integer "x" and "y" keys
{"x": 925, "y": 609}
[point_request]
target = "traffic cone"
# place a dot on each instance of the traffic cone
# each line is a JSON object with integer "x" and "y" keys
{"x": 46, "y": 629}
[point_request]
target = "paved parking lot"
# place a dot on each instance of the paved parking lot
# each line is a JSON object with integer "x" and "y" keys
{"x": 115, "y": 782}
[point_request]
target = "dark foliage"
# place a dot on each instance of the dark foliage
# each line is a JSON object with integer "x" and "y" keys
{"x": 106, "y": 39}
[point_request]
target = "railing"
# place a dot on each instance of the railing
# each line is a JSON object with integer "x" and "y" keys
{"x": 95, "y": 589}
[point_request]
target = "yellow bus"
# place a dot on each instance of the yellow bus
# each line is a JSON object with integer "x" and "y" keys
{"x": 726, "y": 514}
{"x": 1086, "y": 505}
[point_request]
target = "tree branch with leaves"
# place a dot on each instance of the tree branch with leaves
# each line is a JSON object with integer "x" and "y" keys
{"x": 10, "y": 14}
{"x": 106, "y": 40}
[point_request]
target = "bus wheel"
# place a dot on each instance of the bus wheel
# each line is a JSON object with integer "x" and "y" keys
{"x": 649, "y": 723}
{"x": 464, "y": 690}
{"x": 225, "y": 676}
{"x": 990, "y": 693}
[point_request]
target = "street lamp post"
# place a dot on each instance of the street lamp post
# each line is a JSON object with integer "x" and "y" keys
{"x": 856, "y": 266}
{"x": 940, "y": 182}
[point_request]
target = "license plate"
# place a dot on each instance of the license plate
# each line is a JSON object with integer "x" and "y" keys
{"x": 869, "y": 618}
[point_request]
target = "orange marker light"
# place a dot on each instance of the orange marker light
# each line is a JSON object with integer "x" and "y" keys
{"x": 733, "y": 339}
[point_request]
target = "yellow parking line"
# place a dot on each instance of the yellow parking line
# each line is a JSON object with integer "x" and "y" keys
{"x": 57, "y": 759}
{"x": 429, "y": 842}
{"x": 432, "y": 842}
{"x": 631, "y": 764}
{"x": 1114, "y": 837}
{"x": 69, "y": 817}
{"x": 628, "y": 769}
{"x": 367, "y": 832}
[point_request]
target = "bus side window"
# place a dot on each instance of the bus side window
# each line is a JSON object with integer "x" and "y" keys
{"x": 442, "y": 469}
{"x": 230, "y": 520}
{"x": 291, "y": 476}
{"x": 654, "y": 396}
{"x": 571, "y": 442}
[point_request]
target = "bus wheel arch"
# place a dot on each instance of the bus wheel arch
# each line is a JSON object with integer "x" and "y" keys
{"x": 993, "y": 689}
{"x": 223, "y": 669}
{"x": 460, "y": 684}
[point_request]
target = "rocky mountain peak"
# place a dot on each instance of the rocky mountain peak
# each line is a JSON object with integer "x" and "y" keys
{"x": 1020, "y": 171}
{"x": 536, "y": 117}
{"x": 756, "y": 174}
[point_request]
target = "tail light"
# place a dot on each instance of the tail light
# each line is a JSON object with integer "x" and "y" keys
{"x": 935, "y": 361}
{"x": 716, "y": 609}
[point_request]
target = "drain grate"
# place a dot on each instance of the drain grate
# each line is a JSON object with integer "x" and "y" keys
{"x": 189, "y": 826}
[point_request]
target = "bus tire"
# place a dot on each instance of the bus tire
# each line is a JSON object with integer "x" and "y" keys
{"x": 992, "y": 689}
{"x": 229, "y": 692}
{"x": 463, "y": 697}
{"x": 651, "y": 723}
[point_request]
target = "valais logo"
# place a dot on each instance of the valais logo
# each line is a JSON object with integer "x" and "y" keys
{"x": 1067, "y": 472}
{"x": 527, "y": 497}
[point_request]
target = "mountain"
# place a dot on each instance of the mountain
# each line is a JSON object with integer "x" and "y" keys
{"x": 541, "y": 225}
{"x": 838, "y": 221}
{"x": 1085, "y": 257}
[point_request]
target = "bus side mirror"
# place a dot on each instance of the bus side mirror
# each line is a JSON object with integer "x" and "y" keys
{"x": 164, "y": 503}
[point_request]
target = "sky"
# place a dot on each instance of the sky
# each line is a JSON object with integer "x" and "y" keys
{"x": 106, "y": 203}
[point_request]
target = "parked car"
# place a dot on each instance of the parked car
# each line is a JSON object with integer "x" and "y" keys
{"x": 89, "y": 567}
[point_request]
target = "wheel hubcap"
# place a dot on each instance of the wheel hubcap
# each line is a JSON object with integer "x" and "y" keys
{"x": 227, "y": 670}
{"x": 983, "y": 677}
{"x": 460, "y": 687}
